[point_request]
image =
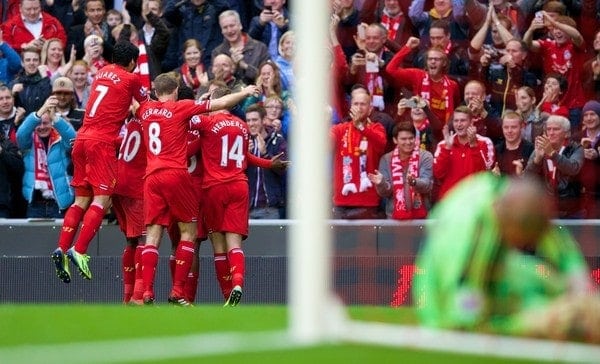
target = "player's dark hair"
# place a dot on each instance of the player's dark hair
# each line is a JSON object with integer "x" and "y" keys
{"x": 124, "y": 52}
{"x": 125, "y": 32}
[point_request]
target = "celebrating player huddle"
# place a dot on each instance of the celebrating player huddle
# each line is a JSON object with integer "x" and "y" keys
{"x": 170, "y": 195}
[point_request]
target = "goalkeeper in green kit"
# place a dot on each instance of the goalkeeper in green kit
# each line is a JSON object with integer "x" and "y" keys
{"x": 493, "y": 261}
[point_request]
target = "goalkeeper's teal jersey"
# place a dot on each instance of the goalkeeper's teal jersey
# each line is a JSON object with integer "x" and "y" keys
{"x": 469, "y": 280}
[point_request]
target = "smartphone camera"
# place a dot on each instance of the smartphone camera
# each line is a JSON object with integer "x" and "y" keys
{"x": 492, "y": 51}
{"x": 269, "y": 8}
{"x": 412, "y": 103}
{"x": 539, "y": 15}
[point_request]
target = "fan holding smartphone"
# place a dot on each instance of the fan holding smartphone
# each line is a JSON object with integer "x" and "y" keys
{"x": 270, "y": 24}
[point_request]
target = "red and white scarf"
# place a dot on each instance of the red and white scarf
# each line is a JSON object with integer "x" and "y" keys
{"x": 192, "y": 81}
{"x": 42, "y": 178}
{"x": 142, "y": 67}
{"x": 391, "y": 23}
{"x": 409, "y": 203}
{"x": 448, "y": 101}
{"x": 349, "y": 153}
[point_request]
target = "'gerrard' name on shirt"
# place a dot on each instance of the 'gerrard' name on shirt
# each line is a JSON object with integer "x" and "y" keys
{"x": 157, "y": 112}
{"x": 109, "y": 76}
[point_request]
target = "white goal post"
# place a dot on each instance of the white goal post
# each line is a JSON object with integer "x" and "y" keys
{"x": 310, "y": 242}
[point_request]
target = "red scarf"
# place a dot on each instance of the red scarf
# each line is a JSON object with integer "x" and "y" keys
{"x": 392, "y": 24}
{"x": 448, "y": 101}
{"x": 142, "y": 68}
{"x": 408, "y": 202}
{"x": 42, "y": 178}
{"x": 350, "y": 152}
{"x": 192, "y": 81}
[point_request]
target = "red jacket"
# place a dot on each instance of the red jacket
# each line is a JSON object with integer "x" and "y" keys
{"x": 15, "y": 33}
{"x": 451, "y": 166}
{"x": 413, "y": 78}
{"x": 8, "y": 9}
{"x": 340, "y": 71}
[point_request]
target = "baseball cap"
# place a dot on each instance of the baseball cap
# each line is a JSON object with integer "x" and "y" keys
{"x": 62, "y": 84}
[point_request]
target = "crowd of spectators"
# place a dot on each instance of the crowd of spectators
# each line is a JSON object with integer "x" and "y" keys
{"x": 503, "y": 87}
{"x": 509, "y": 87}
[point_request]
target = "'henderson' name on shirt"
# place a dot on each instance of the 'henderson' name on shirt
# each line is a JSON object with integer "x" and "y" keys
{"x": 222, "y": 124}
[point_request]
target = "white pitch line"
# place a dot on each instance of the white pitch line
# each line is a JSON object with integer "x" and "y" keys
{"x": 468, "y": 343}
{"x": 156, "y": 348}
{"x": 377, "y": 334}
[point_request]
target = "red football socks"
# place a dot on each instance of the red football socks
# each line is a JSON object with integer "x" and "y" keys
{"x": 138, "y": 288}
{"x": 183, "y": 259}
{"x": 149, "y": 263}
{"x": 191, "y": 286}
{"x": 128, "y": 272}
{"x": 91, "y": 223}
{"x": 71, "y": 222}
{"x": 223, "y": 274}
{"x": 238, "y": 266}
{"x": 172, "y": 265}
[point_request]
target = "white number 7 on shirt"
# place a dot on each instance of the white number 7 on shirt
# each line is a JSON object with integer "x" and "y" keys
{"x": 102, "y": 90}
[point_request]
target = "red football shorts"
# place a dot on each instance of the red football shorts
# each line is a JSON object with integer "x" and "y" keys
{"x": 226, "y": 208}
{"x": 94, "y": 167}
{"x": 169, "y": 196}
{"x": 202, "y": 234}
{"x": 130, "y": 215}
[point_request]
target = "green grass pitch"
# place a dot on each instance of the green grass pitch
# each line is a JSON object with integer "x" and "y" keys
{"x": 23, "y": 327}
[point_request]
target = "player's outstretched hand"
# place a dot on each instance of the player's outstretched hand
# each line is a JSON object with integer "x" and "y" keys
{"x": 279, "y": 165}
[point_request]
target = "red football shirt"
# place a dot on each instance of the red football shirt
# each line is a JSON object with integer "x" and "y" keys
{"x": 224, "y": 144}
{"x": 131, "y": 164}
{"x": 194, "y": 154}
{"x": 566, "y": 59}
{"x": 108, "y": 105}
{"x": 166, "y": 126}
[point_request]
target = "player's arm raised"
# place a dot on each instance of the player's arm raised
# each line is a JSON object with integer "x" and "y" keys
{"x": 231, "y": 100}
